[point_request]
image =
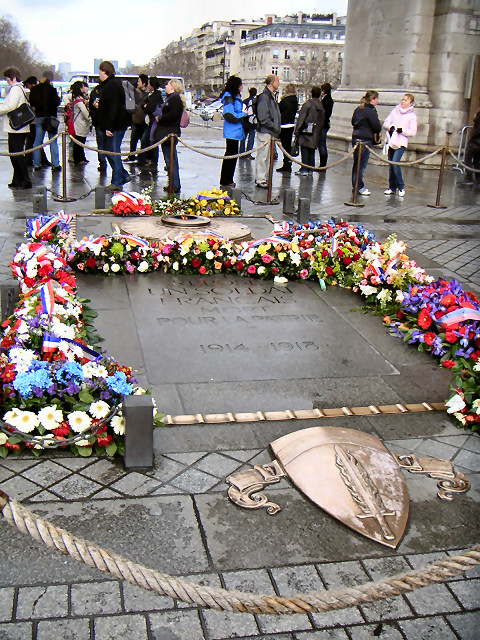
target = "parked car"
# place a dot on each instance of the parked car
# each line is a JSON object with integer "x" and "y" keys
{"x": 208, "y": 112}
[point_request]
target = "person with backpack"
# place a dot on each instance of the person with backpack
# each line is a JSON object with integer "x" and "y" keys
{"x": 268, "y": 127}
{"x": 248, "y": 127}
{"x": 113, "y": 119}
{"x": 233, "y": 116}
{"x": 307, "y": 130}
{"x": 79, "y": 121}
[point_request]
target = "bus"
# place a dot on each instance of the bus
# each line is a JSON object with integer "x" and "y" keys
{"x": 62, "y": 88}
{"x": 93, "y": 78}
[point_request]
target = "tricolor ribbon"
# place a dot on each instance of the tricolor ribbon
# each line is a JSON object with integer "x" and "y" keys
{"x": 51, "y": 343}
{"x": 459, "y": 315}
{"x": 47, "y": 298}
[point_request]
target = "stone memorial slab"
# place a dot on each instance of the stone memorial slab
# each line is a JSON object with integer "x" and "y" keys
{"x": 195, "y": 329}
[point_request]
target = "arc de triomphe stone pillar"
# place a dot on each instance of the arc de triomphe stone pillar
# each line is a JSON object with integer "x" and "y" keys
{"x": 425, "y": 47}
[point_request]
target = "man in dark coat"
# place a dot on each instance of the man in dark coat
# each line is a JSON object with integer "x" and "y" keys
{"x": 113, "y": 119}
{"x": 45, "y": 100}
{"x": 472, "y": 152}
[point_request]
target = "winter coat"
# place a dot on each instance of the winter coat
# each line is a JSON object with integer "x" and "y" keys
{"x": 95, "y": 94}
{"x": 139, "y": 116}
{"x": 474, "y": 140}
{"x": 327, "y": 102}
{"x": 268, "y": 114}
{"x": 365, "y": 123}
{"x": 44, "y": 99}
{"x": 81, "y": 118}
{"x": 111, "y": 113}
{"x": 150, "y": 104}
{"x": 171, "y": 116}
{"x": 233, "y": 115}
{"x": 14, "y": 98}
{"x": 288, "y": 108}
{"x": 311, "y": 111}
{"x": 404, "y": 119}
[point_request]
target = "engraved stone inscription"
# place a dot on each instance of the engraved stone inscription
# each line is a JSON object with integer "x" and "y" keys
{"x": 185, "y": 327}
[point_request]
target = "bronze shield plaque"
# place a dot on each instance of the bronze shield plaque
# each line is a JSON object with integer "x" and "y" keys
{"x": 351, "y": 475}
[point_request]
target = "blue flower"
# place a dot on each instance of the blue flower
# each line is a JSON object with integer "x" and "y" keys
{"x": 34, "y": 382}
{"x": 70, "y": 371}
{"x": 118, "y": 383}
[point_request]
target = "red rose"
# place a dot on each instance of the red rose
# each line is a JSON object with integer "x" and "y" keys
{"x": 424, "y": 319}
{"x": 401, "y": 315}
{"x": 196, "y": 262}
{"x": 346, "y": 261}
{"x": 91, "y": 263}
{"x": 239, "y": 265}
{"x": 202, "y": 270}
{"x": 329, "y": 271}
{"x": 324, "y": 253}
{"x": 274, "y": 270}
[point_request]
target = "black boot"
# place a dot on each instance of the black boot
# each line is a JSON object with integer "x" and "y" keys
{"x": 323, "y": 160}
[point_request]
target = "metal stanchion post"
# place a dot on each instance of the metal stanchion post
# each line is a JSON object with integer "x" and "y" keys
{"x": 437, "y": 204}
{"x": 170, "y": 168}
{"x": 64, "y": 198}
{"x": 353, "y": 202}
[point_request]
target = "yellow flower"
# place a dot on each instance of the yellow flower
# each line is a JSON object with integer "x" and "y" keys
{"x": 281, "y": 256}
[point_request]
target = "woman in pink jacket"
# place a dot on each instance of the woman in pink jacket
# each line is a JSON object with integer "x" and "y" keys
{"x": 401, "y": 125}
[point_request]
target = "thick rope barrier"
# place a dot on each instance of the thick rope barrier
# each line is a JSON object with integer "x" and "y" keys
{"x": 462, "y": 164}
{"x": 307, "y": 166}
{"x": 221, "y": 599}
{"x": 410, "y": 163}
{"x": 116, "y": 153}
{"x": 217, "y": 157}
{"x": 32, "y": 149}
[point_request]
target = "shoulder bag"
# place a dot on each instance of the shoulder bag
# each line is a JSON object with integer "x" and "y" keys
{"x": 21, "y": 116}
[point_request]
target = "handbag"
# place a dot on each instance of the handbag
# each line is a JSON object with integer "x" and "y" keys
{"x": 308, "y": 128}
{"x": 377, "y": 139}
{"x": 184, "y": 120}
{"x": 294, "y": 150}
{"x": 50, "y": 124}
{"x": 21, "y": 116}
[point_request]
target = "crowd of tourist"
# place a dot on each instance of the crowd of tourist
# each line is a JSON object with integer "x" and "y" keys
{"x": 156, "y": 112}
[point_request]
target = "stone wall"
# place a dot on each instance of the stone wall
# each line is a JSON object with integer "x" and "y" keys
{"x": 421, "y": 46}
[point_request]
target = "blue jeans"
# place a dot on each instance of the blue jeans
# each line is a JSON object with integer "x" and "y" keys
{"x": 175, "y": 171}
{"x": 395, "y": 180}
{"x": 114, "y": 143}
{"x": 363, "y": 161}
{"x": 308, "y": 157}
{"x": 249, "y": 139}
{"x": 100, "y": 137}
{"x": 39, "y": 136}
{"x": 322, "y": 143}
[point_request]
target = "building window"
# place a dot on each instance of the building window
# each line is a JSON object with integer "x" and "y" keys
{"x": 277, "y": 34}
{"x": 301, "y": 55}
{"x": 244, "y": 34}
{"x": 286, "y": 73}
{"x": 304, "y": 35}
{"x": 327, "y": 35}
{"x": 341, "y": 36}
{"x": 314, "y": 54}
{"x": 275, "y": 71}
{"x": 289, "y": 33}
{"x": 340, "y": 56}
{"x": 316, "y": 34}
{"x": 275, "y": 54}
{"x": 324, "y": 76}
{"x": 326, "y": 55}
{"x": 288, "y": 54}
{"x": 301, "y": 74}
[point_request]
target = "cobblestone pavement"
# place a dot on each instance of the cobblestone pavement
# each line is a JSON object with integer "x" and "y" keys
{"x": 177, "y": 519}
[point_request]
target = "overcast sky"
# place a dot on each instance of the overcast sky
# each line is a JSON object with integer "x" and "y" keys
{"x": 78, "y": 31}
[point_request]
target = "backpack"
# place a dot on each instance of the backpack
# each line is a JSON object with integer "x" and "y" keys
{"x": 130, "y": 104}
{"x": 68, "y": 117}
{"x": 252, "y": 112}
{"x": 184, "y": 120}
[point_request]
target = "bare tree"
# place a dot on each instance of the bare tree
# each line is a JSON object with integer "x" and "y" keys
{"x": 178, "y": 62}
{"x": 15, "y": 52}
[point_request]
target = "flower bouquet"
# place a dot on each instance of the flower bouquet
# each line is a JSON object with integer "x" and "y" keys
{"x": 120, "y": 253}
{"x": 130, "y": 203}
{"x": 202, "y": 254}
{"x": 276, "y": 258}
{"x": 212, "y": 203}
